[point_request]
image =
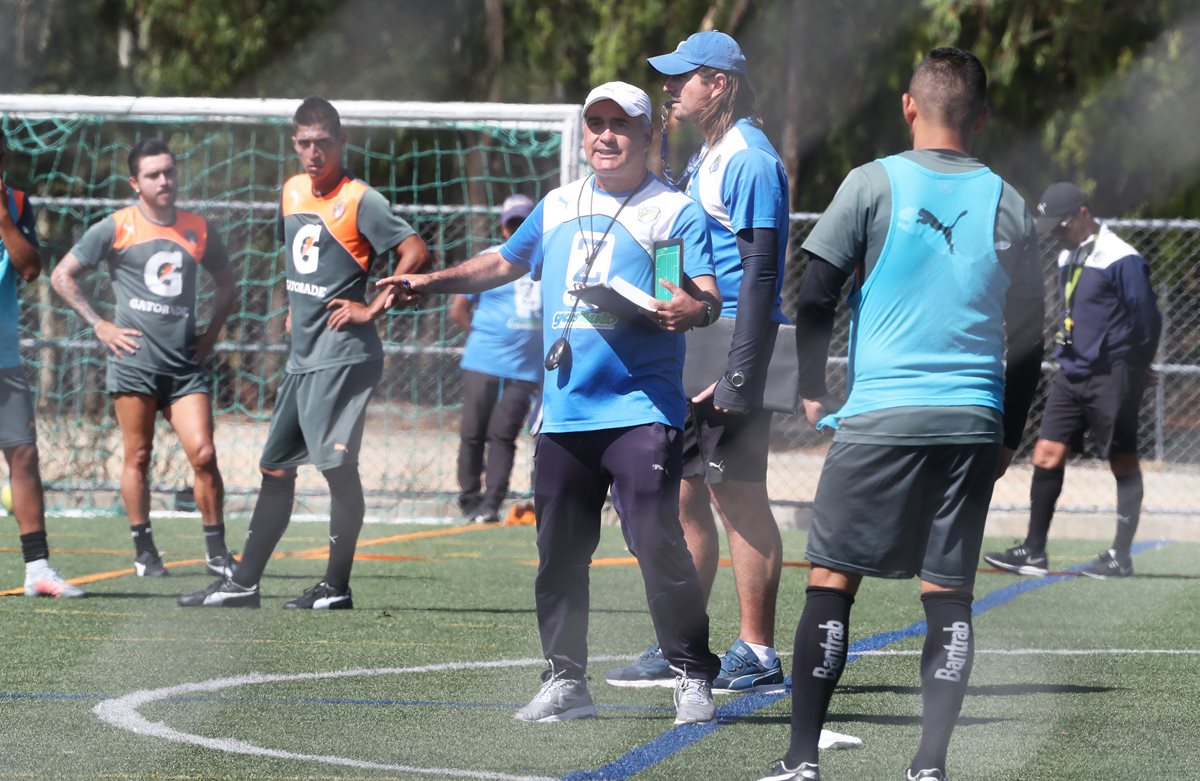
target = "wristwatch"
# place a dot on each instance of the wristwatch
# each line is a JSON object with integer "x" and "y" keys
{"x": 736, "y": 379}
{"x": 710, "y": 315}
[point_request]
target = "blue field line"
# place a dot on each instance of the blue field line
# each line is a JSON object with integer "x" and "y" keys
{"x": 679, "y": 738}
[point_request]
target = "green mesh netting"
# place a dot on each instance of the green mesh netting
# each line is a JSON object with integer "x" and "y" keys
{"x": 448, "y": 179}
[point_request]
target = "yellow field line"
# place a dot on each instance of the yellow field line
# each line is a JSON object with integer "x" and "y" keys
{"x": 301, "y": 554}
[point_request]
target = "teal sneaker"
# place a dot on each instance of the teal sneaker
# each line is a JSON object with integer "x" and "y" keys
{"x": 742, "y": 672}
{"x": 651, "y": 669}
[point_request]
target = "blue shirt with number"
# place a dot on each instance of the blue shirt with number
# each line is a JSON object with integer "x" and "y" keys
{"x": 621, "y": 372}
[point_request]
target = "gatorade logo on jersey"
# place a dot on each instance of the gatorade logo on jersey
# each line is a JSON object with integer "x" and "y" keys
{"x": 306, "y": 248}
{"x": 164, "y": 273}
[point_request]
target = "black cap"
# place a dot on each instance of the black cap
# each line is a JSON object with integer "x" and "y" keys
{"x": 1061, "y": 199}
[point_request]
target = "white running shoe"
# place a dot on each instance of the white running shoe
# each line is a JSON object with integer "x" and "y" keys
{"x": 42, "y": 580}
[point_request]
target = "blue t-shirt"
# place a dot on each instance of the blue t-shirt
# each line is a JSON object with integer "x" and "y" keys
{"x": 22, "y": 215}
{"x": 506, "y": 331}
{"x": 741, "y": 183}
{"x": 621, "y": 372}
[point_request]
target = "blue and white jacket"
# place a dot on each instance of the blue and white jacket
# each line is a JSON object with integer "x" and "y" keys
{"x": 1113, "y": 307}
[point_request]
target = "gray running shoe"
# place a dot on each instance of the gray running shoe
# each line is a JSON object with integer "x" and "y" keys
{"x": 805, "y": 771}
{"x": 650, "y": 669}
{"x": 559, "y": 699}
{"x": 693, "y": 700}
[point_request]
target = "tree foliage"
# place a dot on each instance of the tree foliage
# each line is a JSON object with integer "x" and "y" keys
{"x": 1100, "y": 91}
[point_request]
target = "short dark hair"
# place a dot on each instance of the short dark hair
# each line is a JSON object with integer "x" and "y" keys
{"x": 147, "y": 147}
{"x": 950, "y": 87}
{"x": 316, "y": 111}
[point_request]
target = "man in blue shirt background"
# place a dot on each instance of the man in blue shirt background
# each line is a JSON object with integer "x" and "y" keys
{"x": 502, "y": 372}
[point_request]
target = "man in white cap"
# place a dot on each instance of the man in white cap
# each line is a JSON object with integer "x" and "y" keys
{"x": 739, "y": 181}
{"x": 613, "y": 400}
{"x": 502, "y": 374}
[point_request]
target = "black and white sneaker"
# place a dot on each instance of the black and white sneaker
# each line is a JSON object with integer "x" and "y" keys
{"x": 222, "y": 593}
{"x": 1109, "y": 565}
{"x": 323, "y": 597}
{"x": 220, "y": 565}
{"x": 1020, "y": 560}
{"x": 928, "y": 774}
{"x": 149, "y": 564}
{"x": 805, "y": 771}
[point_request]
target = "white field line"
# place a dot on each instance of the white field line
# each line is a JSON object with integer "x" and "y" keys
{"x": 122, "y": 712}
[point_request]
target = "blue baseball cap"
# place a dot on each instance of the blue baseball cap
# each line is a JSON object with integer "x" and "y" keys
{"x": 713, "y": 49}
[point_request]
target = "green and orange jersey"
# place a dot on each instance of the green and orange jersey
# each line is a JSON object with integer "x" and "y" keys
{"x": 153, "y": 270}
{"x": 330, "y": 243}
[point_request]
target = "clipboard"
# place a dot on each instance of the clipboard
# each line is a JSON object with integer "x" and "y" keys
{"x": 708, "y": 356}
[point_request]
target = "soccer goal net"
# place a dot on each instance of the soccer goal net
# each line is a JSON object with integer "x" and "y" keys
{"x": 446, "y": 167}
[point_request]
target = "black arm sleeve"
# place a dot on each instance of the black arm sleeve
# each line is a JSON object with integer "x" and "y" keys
{"x": 1023, "y": 317}
{"x": 816, "y": 305}
{"x": 754, "y": 331}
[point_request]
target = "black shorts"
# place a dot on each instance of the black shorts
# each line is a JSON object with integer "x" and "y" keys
{"x": 319, "y": 417}
{"x": 1104, "y": 403}
{"x": 720, "y": 446}
{"x": 895, "y": 511}
{"x": 17, "y": 426}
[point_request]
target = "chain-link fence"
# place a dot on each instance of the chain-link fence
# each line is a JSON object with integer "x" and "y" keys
{"x": 1169, "y": 430}
{"x": 447, "y": 176}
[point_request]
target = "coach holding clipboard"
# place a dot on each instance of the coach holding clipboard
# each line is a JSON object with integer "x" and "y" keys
{"x": 739, "y": 181}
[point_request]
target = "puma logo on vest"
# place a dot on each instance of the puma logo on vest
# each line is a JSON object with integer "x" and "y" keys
{"x": 925, "y": 217}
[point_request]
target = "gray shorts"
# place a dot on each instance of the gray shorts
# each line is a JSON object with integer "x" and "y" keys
{"x": 319, "y": 417}
{"x": 895, "y": 511}
{"x": 17, "y": 425}
{"x": 165, "y": 388}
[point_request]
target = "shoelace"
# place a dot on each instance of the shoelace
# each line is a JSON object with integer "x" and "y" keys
{"x": 691, "y": 690}
{"x": 550, "y": 688}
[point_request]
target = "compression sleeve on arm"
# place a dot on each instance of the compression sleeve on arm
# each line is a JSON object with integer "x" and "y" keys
{"x": 1023, "y": 318}
{"x": 750, "y": 352}
{"x": 816, "y": 305}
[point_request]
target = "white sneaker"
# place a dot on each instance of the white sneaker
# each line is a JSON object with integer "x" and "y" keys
{"x": 693, "y": 700}
{"x": 559, "y": 699}
{"x": 42, "y": 580}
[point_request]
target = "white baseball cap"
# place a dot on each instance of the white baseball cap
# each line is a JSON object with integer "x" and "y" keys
{"x": 632, "y": 100}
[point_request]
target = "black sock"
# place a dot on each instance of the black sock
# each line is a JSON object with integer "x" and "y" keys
{"x": 1044, "y": 491}
{"x": 272, "y": 513}
{"x": 945, "y": 668}
{"x": 34, "y": 546}
{"x": 819, "y": 655}
{"x": 214, "y": 540}
{"x": 346, "y": 510}
{"x": 143, "y": 538}
{"x": 1129, "y": 511}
